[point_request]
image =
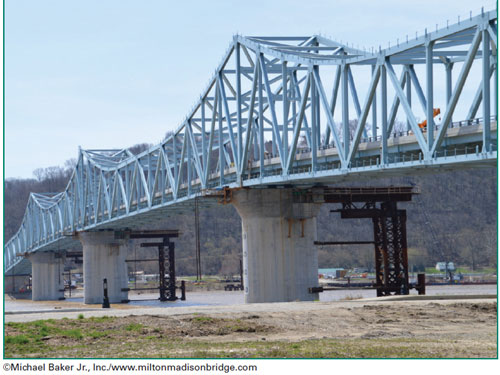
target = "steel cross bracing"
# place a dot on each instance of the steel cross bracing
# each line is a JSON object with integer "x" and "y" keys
{"x": 289, "y": 111}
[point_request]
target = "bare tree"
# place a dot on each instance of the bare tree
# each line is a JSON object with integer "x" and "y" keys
{"x": 138, "y": 148}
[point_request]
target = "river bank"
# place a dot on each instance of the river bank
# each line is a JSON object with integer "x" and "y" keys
{"x": 370, "y": 328}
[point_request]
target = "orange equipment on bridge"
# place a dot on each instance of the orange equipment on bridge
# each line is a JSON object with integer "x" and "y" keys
{"x": 423, "y": 124}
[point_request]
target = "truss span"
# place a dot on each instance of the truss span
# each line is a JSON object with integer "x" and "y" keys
{"x": 290, "y": 111}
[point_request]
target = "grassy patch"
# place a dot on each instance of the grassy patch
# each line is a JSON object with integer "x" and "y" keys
{"x": 134, "y": 327}
{"x": 100, "y": 319}
{"x": 17, "y": 340}
{"x": 98, "y": 334}
{"x": 72, "y": 334}
{"x": 483, "y": 270}
{"x": 203, "y": 319}
{"x": 201, "y": 336}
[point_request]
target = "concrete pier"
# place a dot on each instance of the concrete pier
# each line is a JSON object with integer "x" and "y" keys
{"x": 280, "y": 260}
{"x": 47, "y": 276}
{"x": 104, "y": 258}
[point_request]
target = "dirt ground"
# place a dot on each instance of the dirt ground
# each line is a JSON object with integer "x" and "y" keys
{"x": 451, "y": 329}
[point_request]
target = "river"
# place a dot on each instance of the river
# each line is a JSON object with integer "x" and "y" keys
{"x": 237, "y": 297}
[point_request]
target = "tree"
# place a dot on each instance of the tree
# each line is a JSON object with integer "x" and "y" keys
{"x": 138, "y": 148}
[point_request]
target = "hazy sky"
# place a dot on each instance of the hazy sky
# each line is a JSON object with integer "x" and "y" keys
{"x": 113, "y": 73}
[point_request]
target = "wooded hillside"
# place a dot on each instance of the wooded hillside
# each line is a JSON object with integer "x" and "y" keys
{"x": 454, "y": 217}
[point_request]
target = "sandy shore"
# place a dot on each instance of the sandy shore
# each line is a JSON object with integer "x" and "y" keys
{"x": 451, "y": 326}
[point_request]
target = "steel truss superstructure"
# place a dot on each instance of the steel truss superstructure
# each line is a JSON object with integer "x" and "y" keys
{"x": 279, "y": 111}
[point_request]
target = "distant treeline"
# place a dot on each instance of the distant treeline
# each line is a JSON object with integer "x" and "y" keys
{"x": 454, "y": 219}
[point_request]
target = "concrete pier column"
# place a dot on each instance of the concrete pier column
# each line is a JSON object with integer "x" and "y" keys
{"x": 46, "y": 276}
{"x": 104, "y": 258}
{"x": 280, "y": 260}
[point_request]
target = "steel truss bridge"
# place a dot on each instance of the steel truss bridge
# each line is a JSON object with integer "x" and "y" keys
{"x": 289, "y": 111}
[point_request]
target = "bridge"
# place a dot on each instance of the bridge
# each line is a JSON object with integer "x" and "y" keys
{"x": 281, "y": 116}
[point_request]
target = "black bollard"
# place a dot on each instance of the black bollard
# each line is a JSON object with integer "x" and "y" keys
{"x": 183, "y": 290}
{"x": 105, "y": 302}
{"x": 421, "y": 283}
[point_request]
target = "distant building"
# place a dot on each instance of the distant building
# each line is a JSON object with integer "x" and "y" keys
{"x": 443, "y": 267}
{"x": 331, "y": 273}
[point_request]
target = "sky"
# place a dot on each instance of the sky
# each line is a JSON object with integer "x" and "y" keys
{"x": 114, "y": 73}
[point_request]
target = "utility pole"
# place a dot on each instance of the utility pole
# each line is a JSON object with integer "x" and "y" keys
{"x": 197, "y": 230}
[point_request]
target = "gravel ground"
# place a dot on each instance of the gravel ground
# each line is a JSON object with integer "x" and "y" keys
{"x": 395, "y": 327}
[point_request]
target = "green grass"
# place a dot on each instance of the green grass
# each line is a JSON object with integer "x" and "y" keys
{"x": 104, "y": 345}
{"x": 40, "y": 329}
{"x": 483, "y": 270}
{"x": 325, "y": 348}
{"x": 109, "y": 337}
{"x": 205, "y": 278}
{"x": 489, "y": 270}
{"x": 203, "y": 319}
{"x": 98, "y": 334}
{"x": 17, "y": 340}
{"x": 32, "y": 336}
{"x": 99, "y": 319}
{"x": 72, "y": 334}
{"x": 134, "y": 327}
